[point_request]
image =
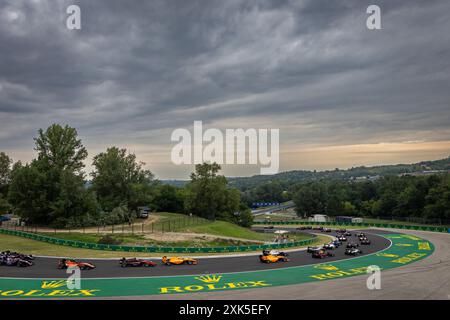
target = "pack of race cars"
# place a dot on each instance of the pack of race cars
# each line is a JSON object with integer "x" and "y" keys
{"x": 8, "y": 258}
{"x": 352, "y": 247}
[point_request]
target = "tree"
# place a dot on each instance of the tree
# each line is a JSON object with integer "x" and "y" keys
{"x": 51, "y": 189}
{"x": 207, "y": 194}
{"x": 27, "y": 194}
{"x": 5, "y": 170}
{"x": 118, "y": 179}
{"x": 73, "y": 203}
{"x": 244, "y": 217}
{"x": 348, "y": 209}
{"x": 311, "y": 199}
{"x": 169, "y": 199}
{"x": 438, "y": 201}
{"x": 269, "y": 192}
{"x": 58, "y": 147}
{"x": 5, "y": 177}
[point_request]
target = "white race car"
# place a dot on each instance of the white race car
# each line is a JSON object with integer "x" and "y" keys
{"x": 274, "y": 253}
{"x": 313, "y": 249}
{"x": 329, "y": 246}
{"x": 353, "y": 252}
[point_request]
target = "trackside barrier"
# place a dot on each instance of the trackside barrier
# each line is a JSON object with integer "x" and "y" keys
{"x": 106, "y": 247}
{"x": 341, "y": 224}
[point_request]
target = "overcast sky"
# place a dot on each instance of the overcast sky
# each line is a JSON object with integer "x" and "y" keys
{"x": 341, "y": 95}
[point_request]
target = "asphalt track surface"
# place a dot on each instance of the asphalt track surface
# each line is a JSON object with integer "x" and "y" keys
{"x": 427, "y": 279}
{"x": 47, "y": 267}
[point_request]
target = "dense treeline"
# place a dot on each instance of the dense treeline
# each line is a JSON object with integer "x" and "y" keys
{"x": 425, "y": 197}
{"x": 52, "y": 189}
{"x": 289, "y": 178}
{"x": 272, "y": 191}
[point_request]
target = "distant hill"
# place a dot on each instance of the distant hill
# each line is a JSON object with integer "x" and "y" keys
{"x": 175, "y": 183}
{"x": 289, "y": 177}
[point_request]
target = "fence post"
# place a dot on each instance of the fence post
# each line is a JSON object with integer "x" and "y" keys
{"x": 142, "y": 228}
{"x": 132, "y": 228}
{"x": 152, "y": 226}
{"x": 112, "y": 229}
{"x": 123, "y": 227}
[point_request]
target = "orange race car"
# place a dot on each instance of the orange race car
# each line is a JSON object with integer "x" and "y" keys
{"x": 177, "y": 260}
{"x": 270, "y": 258}
{"x": 68, "y": 263}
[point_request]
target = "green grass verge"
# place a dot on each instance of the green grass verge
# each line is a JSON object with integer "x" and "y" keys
{"x": 227, "y": 229}
{"x": 140, "y": 240}
{"x": 14, "y": 243}
{"x": 278, "y": 218}
{"x": 287, "y": 226}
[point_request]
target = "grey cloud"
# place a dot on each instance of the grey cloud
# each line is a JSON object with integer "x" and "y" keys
{"x": 139, "y": 69}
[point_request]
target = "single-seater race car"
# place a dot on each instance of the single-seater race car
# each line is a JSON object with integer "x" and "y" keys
{"x": 272, "y": 258}
{"x": 177, "y": 261}
{"x": 70, "y": 263}
{"x": 364, "y": 241}
{"x": 320, "y": 254}
{"x": 329, "y": 246}
{"x": 134, "y": 262}
{"x": 342, "y": 238}
{"x": 353, "y": 252}
{"x": 313, "y": 249}
{"x": 19, "y": 255}
{"x": 9, "y": 258}
{"x": 14, "y": 261}
{"x": 337, "y": 243}
{"x": 352, "y": 245}
{"x": 360, "y": 235}
{"x": 274, "y": 253}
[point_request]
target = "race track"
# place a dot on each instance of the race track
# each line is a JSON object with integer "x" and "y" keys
{"x": 45, "y": 268}
{"x": 427, "y": 279}
{"x": 241, "y": 277}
